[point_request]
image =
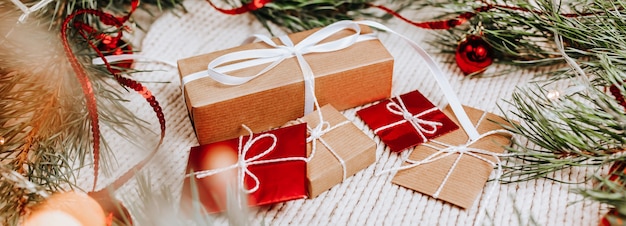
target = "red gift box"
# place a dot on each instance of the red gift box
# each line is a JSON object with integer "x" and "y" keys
{"x": 406, "y": 121}
{"x": 273, "y": 165}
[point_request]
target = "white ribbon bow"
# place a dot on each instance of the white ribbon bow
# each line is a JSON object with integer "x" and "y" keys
{"x": 243, "y": 163}
{"x": 414, "y": 120}
{"x": 316, "y": 135}
{"x": 275, "y": 55}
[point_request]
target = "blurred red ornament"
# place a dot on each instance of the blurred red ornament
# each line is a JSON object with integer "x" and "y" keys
{"x": 616, "y": 174}
{"x": 617, "y": 93}
{"x": 612, "y": 218}
{"x": 473, "y": 55}
{"x": 114, "y": 210}
{"x": 66, "y": 208}
{"x": 617, "y": 170}
{"x": 115, "y": 46}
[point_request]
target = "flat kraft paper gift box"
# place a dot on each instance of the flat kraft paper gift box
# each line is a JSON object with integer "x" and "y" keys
{"x": 350, "y": 77}
{"x": 468, "y": 178}
{"x": 276, "y": 158}
{"x": 349, "y": 143}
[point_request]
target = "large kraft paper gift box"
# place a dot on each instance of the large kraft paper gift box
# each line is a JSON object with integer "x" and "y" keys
{"x": 468, "y": 178}
{"x": 352, "y": 150}
{"x": 346, "y": 78}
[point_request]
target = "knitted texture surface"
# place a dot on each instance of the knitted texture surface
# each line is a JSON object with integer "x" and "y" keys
{"x": 364, "y": 199}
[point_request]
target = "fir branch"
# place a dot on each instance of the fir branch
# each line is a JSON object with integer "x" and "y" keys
{"x": 585, "y": 130}
{"x": 609, "y": 189}
{"x": 43, "y": 117}
{"x": 571, "y": 131}
{"x": 159, "y": 207}
{"x": 299, "y": 15}
{"x": 522, "y": 34}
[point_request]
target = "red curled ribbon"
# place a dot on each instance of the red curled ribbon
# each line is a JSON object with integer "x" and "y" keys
{"x": 461, "y": 18}
{"x": 250, "y": 6}
{"x": 84, "y": 30}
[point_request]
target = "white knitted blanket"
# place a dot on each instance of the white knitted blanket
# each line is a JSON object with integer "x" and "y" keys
{"x": 364, "y": 199}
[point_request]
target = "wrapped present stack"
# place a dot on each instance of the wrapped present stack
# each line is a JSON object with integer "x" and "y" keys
{"x": 345, "y": 66}
{"x": 359, "y": 72}
{"x": 291, "y": 148}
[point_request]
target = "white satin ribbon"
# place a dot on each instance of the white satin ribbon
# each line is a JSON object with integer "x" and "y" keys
{"x": 278, "y": 53}
{"x": 460, "y": 150}
{"x": 414, "y": 120}
{"x": 123, "y": 57}
{"x": 449, "y": 93}
{"x": 27, "y": 11}
{"x": 243, "y": 163}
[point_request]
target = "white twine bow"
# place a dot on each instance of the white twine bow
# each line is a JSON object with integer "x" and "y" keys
{"x": 414, "y": 119}
{"x": 461, "y": 150}
{"x": 243, "y": 163}
{"x": 275, "y": 55}
{"x": 316, "y": 135}
{"x": 27, "y": 11}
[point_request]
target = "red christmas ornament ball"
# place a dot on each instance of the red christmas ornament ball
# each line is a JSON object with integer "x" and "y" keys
{"x": 473, "y": 55}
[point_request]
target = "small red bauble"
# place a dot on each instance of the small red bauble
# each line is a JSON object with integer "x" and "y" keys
{"x": 473, "y": 55}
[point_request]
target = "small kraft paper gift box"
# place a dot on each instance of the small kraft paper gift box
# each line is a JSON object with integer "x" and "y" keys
{"x": 453, "y": 168}
{"x": 337, "y": 149}
{"x": 407, "y": 120}
{"x": 269, "y": 167}
{"x": 359, "y": 72}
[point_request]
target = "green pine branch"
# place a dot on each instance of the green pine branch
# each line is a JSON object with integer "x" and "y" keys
{"x": 571, "y": 131}
{"x": 44, "y": 121}
{"x": 584, "y": 128}
{"x": 524, "y": 36}
{"x": 159, "y": 207}
{"x": 607, "y": 191}
{"x": 299, "y": 15}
